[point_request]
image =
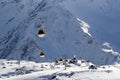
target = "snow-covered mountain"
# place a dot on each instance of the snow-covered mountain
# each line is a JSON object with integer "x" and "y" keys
{"x": 102, "y": 15}
{"x": 66, "y": 35}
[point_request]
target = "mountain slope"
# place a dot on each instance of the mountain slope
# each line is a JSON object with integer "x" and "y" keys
{"x": 65, "y": 35}
{"x": 101, "y": 15}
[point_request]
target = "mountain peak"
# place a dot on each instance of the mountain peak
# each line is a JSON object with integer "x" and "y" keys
{"x": 64, "y": 34}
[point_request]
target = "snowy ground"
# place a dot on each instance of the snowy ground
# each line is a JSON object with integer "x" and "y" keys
{"x": 26, "y": 70}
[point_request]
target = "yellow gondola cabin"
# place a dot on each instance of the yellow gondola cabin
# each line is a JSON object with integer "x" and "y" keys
{"x": 42, "y": 54}
{"x": 41, "y": 32}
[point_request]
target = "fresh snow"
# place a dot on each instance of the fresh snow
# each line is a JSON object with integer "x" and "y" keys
{"x": 107, "y": 48}
{"x": 84, "y": 26}
{"x": 27, "y": 70}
